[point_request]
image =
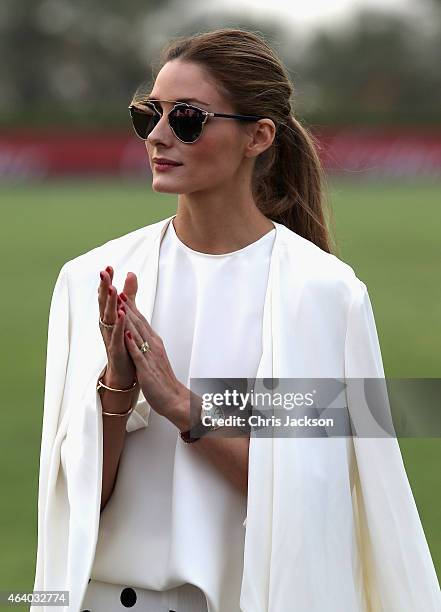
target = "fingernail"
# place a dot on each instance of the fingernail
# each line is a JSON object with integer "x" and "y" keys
{"x": 102, "y": 276}
{"x": 123, "y": 296}
{"x": 129, "y": 335}
{"x": 123, "y": 308}
{"x": 109, "y": 269}
{"x": 110, "y": 290}
{"x": 119, "y": 314}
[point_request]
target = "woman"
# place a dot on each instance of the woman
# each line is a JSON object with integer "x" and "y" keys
{"x": 240, "y": 283}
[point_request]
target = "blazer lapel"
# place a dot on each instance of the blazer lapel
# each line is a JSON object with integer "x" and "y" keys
{"x": 147, "y": 273}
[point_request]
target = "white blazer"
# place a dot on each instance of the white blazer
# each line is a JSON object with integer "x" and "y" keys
{"x": 318, "y": 323}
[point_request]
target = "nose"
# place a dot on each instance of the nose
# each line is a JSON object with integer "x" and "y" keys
{"x": 162, "y": 131}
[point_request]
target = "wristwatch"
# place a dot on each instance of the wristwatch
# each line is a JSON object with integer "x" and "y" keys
{"x": 199, "y": 430}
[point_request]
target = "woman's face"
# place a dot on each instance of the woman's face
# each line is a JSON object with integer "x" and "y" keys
{"x": 210, "y": 161}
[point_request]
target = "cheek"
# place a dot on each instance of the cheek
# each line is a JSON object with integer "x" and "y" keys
{"x": 204, "y": 151}
{"x": 214, "y": 153}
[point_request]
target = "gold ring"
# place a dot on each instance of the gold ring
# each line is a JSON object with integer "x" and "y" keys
{"x": 108, "y": 325}
{"x": 145, "y": 346}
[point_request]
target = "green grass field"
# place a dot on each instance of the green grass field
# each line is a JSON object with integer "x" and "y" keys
{"x": 388, "y": 232}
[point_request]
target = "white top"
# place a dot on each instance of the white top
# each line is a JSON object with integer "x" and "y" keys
{"x": 156, "y": 530}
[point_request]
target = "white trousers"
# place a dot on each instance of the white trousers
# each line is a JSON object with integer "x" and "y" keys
{"x": 106, "y": 597}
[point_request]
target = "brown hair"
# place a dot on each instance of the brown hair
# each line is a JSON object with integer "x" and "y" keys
{"x": 288, "y": 178}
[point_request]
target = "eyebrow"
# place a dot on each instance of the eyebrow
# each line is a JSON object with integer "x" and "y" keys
{"x": 181, "y": 100}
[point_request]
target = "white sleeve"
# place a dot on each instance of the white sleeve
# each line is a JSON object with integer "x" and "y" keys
{"x": 362, "y": 349}
{"x": 57, "y": 354}
{"x": 397, "y": 566}
{"x": 70, "y": 476}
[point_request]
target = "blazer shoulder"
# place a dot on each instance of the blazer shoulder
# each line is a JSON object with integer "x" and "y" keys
{"x": 316, "y": 264}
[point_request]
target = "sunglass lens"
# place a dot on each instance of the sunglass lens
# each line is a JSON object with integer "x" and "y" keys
{"x": 144, "y": 120}
{"x": 186, "y": 122}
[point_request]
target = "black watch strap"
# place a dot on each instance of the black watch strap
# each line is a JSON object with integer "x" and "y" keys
{"x": 195, "y": 433}
{"x": 186, "y": 436}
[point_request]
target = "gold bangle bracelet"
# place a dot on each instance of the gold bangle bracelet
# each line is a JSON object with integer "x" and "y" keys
{"x": 101, "y": 386}
{"x": 119, "y": 414}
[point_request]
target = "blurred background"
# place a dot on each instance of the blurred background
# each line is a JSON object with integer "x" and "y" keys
{"x": 73, "y": 175}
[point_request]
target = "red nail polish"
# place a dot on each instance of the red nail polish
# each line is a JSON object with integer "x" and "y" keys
{"x": 109, "y": 269}
{"x": 119, "y": 314}
{"x": 110, "y": 290}
{"x": 129, "y": 335}
{"x": 123, "y": 296}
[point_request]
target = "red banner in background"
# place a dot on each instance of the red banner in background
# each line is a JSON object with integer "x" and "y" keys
{"x": 345, "y": 151}
{"x": 389, "y": 153}
{"x": 43, "y": 155}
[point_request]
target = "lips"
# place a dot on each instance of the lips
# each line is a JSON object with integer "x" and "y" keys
{"x": 166, "y": 162}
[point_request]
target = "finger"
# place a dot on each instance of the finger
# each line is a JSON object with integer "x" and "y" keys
{"x": 134, "y": 315}
{"x": 107, "y": 276}
{"x": 131, "y": 286}
{"x": 137, "y": 316}
{"x": 118, "y": 330}
{"x": 103, "y": 291}
{"x": 110, "y": 308}
{"x": 136, "y": 322}
{"x": 109, "y": 270}
{"x": 138, "y": 336}
{"x": 135, "y": 353}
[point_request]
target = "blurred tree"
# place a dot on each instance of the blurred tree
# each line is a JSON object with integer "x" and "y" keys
{"x": 77, "y": 62}
{"x": 63, "y": 60}
{"x": 383, "y": 69}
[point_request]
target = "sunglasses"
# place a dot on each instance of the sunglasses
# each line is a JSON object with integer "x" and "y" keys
{"x": 185, "y": 120}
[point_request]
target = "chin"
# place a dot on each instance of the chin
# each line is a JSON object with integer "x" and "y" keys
{"x": 162, "y": 187}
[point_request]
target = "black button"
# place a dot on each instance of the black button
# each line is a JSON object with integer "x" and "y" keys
{"x": 128, "y": 597}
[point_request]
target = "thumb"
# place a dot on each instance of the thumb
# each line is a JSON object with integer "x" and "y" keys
{"x": 131, "y": 286}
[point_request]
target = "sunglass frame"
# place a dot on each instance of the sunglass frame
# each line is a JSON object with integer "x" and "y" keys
{"x": 150, "y": 104}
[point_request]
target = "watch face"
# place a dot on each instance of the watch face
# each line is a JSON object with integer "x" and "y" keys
{"x": 215, "y": 412}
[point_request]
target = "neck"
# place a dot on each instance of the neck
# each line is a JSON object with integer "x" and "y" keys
{"x": 219, "y": 223}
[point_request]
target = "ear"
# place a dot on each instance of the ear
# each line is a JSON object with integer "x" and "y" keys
{"x": 261, "y": 135}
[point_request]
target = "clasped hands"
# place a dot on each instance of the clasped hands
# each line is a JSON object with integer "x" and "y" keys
{"x": 125, "y": 362}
